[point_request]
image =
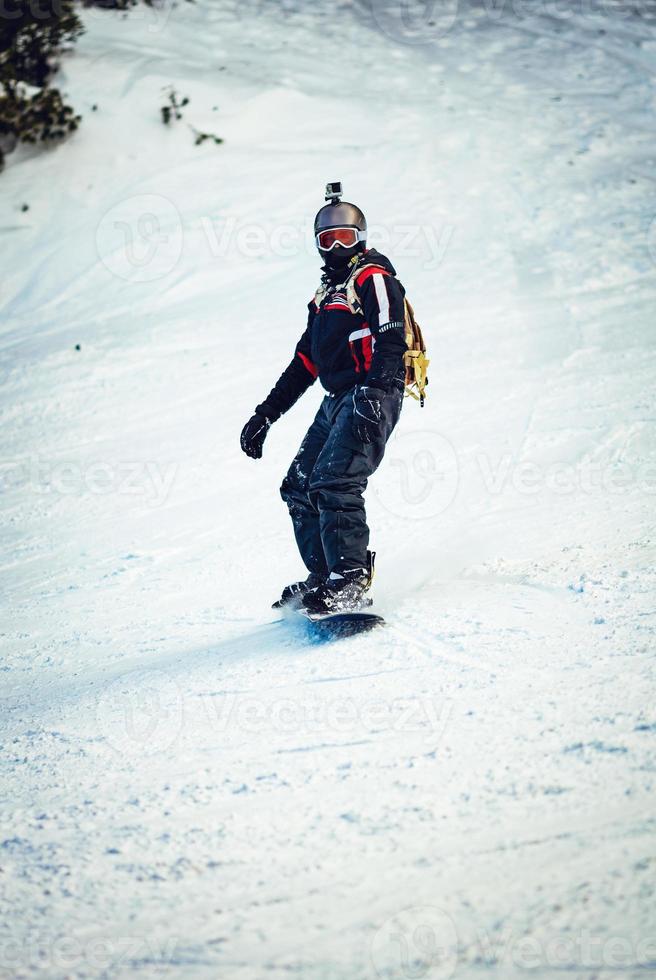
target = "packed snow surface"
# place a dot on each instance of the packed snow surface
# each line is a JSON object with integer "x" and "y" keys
{"x": 192, "y": 788}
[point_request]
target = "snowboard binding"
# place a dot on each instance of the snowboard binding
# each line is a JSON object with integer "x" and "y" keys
{"x": 292, "y": 595}
{"x": 341, "y": 592}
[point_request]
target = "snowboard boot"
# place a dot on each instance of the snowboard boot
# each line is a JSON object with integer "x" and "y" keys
{"x": 292, "y": 595}
{"x": 342, "y": 592}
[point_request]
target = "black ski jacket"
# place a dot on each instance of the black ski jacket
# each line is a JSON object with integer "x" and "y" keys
{"x": 342, "y": 348}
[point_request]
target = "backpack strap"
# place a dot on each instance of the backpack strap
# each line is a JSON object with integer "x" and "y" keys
{"x": 320, "y": 295}
{"x": 352, "y": 298}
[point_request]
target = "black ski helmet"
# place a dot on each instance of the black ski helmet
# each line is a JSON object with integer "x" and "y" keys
{"x": 339, "y": 214}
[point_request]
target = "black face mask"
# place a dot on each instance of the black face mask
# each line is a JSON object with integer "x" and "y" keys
{"x": 338, "y": 258}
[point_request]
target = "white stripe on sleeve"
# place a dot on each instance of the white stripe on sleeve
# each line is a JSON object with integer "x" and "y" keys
{"x": 359, "y": 334}
{"x": 382, "y": 297}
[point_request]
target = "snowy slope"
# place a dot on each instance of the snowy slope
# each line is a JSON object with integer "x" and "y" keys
{"x": 192, "y": 789}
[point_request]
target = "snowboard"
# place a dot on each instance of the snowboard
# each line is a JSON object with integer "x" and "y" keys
{"x": 338, "y": 625}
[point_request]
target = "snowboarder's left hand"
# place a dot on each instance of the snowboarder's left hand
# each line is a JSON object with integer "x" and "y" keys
{"x": 367, "y": 412}
{"x": 253, "y": 435}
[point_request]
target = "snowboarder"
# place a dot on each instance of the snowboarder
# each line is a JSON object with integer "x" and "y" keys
{"x": 354, "y": 343}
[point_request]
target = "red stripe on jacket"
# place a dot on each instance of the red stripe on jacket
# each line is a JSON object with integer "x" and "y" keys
{"x": 367, "y": 351}
{"x": 308, "y": 364}
{"x": 371, "y": 271}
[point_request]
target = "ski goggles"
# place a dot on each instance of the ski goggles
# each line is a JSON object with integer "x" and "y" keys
{"x": 347, "y": 237}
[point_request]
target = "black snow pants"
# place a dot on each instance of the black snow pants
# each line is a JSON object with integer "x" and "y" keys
{"x": 324, "y": 486}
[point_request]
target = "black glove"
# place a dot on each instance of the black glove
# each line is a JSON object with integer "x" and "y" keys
{"x": 367, "y": 412}
{"x": 253, "y": 435}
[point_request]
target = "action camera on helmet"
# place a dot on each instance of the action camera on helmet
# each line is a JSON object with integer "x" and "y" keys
{"x": 334, "y": 191}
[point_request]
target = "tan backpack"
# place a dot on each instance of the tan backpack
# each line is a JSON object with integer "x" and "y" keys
{"x": 415, "y": 360}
